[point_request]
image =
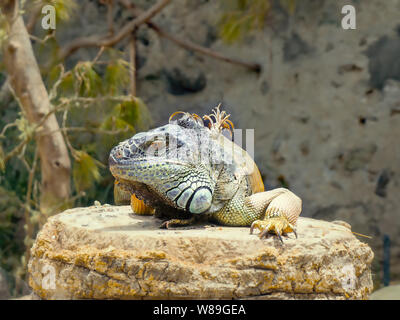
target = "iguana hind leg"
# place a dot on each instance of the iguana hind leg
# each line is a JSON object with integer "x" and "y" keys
{"x": 283, "y": 208}
{"x": 269, "y": 211}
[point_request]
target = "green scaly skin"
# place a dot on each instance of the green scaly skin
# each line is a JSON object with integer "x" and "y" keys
{"x": 184, "y": 189}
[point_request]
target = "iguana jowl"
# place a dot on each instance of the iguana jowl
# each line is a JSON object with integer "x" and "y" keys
{"x": 185, "y": 170}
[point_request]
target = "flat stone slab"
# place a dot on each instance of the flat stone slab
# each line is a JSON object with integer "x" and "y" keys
{"x": 107, "y": 252}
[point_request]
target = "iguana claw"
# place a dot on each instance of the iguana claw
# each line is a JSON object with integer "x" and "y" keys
{"x": 279, "y": 225}
{"x": 173, "y": 223}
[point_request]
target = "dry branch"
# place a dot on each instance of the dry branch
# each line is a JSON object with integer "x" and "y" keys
{"x": 110, "y": 20}
{"x": 195, "y": 47}
{"x": 27, "y": 84}
{"x": 188, "y": 44}
{"x": 132, "y": 68}
{"x": 105, "y": 41}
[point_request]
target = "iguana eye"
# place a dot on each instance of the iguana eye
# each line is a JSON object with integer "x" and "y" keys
{"x": 159, "y": 143}
{"x": 154, "y": 146}
{"x": 157, "y": 147}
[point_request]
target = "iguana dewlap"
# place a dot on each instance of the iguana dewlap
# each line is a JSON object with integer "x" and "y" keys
{"x": 185, "y": 170}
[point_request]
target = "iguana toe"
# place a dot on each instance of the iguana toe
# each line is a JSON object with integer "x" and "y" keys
{"x": 278, "y": 225}
{"x": 173, "y": 223}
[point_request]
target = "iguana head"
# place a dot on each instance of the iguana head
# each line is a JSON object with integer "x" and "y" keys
{"x": 173, "y": 161}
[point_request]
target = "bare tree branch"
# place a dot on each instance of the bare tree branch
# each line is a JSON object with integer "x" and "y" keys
{"x": 188, "y": 44}
{"x": 110, "y": 20}
{"x": 105, "y": 41}
{"x": 28, "y": 86}
{"x": 195, "y": 47}
{"x": 132, "y": 68}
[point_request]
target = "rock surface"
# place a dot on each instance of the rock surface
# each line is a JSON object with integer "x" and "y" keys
{"x": 387, "y": 293}
{"x": 106, "y": 252}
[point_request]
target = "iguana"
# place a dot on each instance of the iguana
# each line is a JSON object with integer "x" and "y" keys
{"x": 185, "y": 171}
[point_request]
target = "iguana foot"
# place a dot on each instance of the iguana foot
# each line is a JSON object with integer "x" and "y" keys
{"x": 283, "y": 208}
{"x": 278, "y": 225}
{"x": 178, "y": 223}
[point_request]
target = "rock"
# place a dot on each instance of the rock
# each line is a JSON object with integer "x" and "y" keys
{"x": 106, "y": 252}
{"x": 359, "y": 157}
{"x": 383, "y": 61}
{"x": 179, "y": 83}
{"x": 294, "y": 47}
{"x": 381, "y": 184}
{"x": 387, "y": 293}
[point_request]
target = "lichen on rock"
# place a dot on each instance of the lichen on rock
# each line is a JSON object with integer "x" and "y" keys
{"x": 105, "y": 252}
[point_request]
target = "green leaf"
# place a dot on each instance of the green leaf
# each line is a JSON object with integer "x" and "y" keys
{"x": 128, "y": 112}
{"x": 67, "y": 85}
{"x": 88, "y": 82}
{"x": 116, "y": 76}
{"x": 54, "y": 74}
{"x": 85, "y": 171}
{"x": 133, "y": 112}
{"x": 26, "y": 129}
{"x": 130, "y": 117}
{"x": 230, "y": 30}
{"x": 47, "y": 51}
{"x": 242, "y": 17}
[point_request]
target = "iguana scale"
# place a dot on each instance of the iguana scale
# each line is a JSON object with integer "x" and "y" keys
{"x": 185, "y": 171}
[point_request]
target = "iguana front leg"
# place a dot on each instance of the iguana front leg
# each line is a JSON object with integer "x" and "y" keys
{"x": 270, "y": 211}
